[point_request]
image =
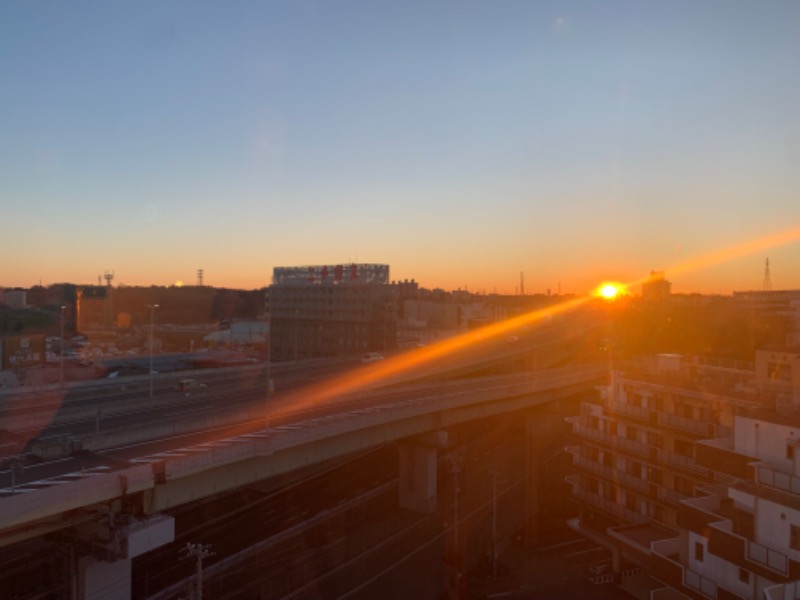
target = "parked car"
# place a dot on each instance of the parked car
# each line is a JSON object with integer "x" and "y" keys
{"x": 371, "y": 357}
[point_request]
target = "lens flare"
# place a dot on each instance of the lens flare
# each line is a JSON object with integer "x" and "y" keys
{"x": 392, "y": 370}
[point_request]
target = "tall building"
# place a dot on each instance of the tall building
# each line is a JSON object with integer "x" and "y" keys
{"x": 690, "y": 469}
{"x": 331, "y": 310}
{"x": 656, "y": 287}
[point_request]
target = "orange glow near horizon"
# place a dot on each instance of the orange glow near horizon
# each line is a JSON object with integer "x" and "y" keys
{"x": 389, "y": 370}
{"x": 730, "y": 253}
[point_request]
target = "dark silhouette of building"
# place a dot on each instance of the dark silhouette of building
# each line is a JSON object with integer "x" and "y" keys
{"x": 656, "y": 287}
{"x": 331, "y": 310}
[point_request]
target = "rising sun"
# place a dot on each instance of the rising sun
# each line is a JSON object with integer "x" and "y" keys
{"x": 609, "y": 290}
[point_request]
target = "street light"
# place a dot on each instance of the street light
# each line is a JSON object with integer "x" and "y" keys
{"x": 152, "y": 308}
{"x": 61, "y": 347}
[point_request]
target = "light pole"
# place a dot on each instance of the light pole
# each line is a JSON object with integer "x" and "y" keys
{"x": 269, "y": 355}
{"x": 296, "y": 312}
{"x": 152, "y": 308}
{"x": 61, "y": 347}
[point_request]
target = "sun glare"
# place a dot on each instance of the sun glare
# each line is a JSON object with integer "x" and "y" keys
{"x": 610, "y": 290}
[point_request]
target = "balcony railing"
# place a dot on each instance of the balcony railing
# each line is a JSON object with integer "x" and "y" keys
{"x": 609, "y": 506}
{"x": 704, "y": 585}
{"x": 609, "y": 472}
{"x": 667, "y": 551}
{"x": 611, "y": 439}
{"x": 663, "y": 493}
{"x": 784, "y": 591}
{"x": 678, "y": 460}
{"x": 773, "y": 559}
{"x": 766, "y": 475}
{"x": 638, "y": 412}
{"x": 684, "y": 423}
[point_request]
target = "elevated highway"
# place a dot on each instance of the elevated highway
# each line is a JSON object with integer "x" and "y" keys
{"x": 113, "y": 496}
{"x": 163, "y": 474}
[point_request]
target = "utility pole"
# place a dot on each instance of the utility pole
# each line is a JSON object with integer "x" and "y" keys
{"x": 456, "y": 460}
{"x": 269, "y": 373}
{"x": 269, "y": 355}
{"x": 494, "y": 473}
{"x": 296, "y": 312}
{"x": 199, "y": 552}
{"x": 61, "y": 353}
{"x": 152, "y": 308}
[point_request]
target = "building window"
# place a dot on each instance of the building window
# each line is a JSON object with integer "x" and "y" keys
{"x": 744, "y": 575}
{"x": 699, "y": 549}
{"x": 794, "y": 537}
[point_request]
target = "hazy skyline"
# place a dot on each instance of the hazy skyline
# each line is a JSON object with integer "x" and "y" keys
{"x": 459, "y": 142}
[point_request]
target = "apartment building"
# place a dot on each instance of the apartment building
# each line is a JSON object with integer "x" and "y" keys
{"x": 690, "y": 470}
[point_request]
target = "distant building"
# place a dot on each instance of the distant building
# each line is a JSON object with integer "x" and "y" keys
{"x": 690, "y": 469}
{"x": 777, "y": 301}
{"x": 240, "y": 333}
{"x": 778, "y": 371}
{"x": 331, "y": 310}
{"x": 425, "y": 313}
{"x": 14, "y": 298}
{"x": 656, "y": 287}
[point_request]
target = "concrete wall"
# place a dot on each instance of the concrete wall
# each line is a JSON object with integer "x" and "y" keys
{"x": 768, "y": 441}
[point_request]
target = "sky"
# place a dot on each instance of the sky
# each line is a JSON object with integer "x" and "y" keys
{"x": 460, "y": 142}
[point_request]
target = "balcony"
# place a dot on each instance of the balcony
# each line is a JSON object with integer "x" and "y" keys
{"x": 606, "y": 471}
{"x": 767, "y": 475}
{"x": 772, "y": 559}
{"x": 623, "y": 408}
{"x": 683, "y": 423}
{"x": 663, "y": 493}
{"x": 681, "y": 461}
{"x": 784, "y": 591}
{"x": 608, "y": 438}
{"x": 670, "y": 570}
{"x": 738, "y": 549}
{"x": 608, "y": 506}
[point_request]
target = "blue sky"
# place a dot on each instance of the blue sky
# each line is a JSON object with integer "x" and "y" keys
{"x": 461, "y": 142}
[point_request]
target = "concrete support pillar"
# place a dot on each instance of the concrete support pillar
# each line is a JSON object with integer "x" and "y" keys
{"x": 100, "y": 579}
{"x": 418, "y": 462}
{"x": 532, "y": 499}
{"x": 103, "y": 570}
{"x": 540, "y": 433}
{"x": 616, "y": 560}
